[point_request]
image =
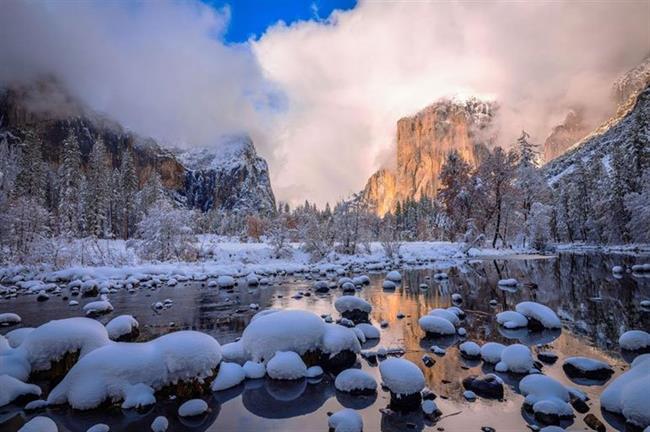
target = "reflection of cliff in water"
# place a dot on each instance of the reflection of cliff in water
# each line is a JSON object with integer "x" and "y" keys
{"x": 581, "y": 288}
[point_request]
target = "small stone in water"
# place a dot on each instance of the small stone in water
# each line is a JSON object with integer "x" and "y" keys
{"x": 593, "y": 422}
{"x": 469, "y": 395}
{"x": 488, "y": 429}
{"x": 437, "y": 350}
{"x": 400, "y": 315}
{"x": 462, "y": 332}
{"x": 428, "y": 361}
{"x": 383, "y": 324}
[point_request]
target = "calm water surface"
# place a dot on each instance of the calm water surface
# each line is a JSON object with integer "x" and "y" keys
{"x": 595, "y": 306}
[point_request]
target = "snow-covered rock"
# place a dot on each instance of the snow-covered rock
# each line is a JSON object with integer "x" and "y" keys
{"x": 314, "y": 372}
{"x": 234, "y": 352}
{"x": 193, "y": 407}
{"x": 17, "y": 336}
{"x": 286, "y": 365}
{"x": 512, "y": 319}
{"x": 394, "y": 276}
{"x": 389, "y": 285}
{"x": 132, "y": 372}
{"x": 98, "y": 307}
{"x": 634, "y": 340}
{"x": 627, "y": 394}
{"x": 346, "y": 420}
{"x": 287, "y": 330}
{"x": 369, "y": 331}
{"x": 508, "y": 282}
{"x": 491, "y": 352}
{"x": 160, "y": 424}
{"x": 546, "y": 397}
{"x": 9, "y": 318}
{"x": 355, "y": 381}
{"x": 402, "y": 377}
{"x": 12, "y": 388}
{"x": 539, "y": 315}
{"x": 225, "y": 281}
{"x": 122, "y": 328}
{"x": 229, "y": 375}
{"x": 353, "y": 308}
{"x": 488, "y": 386}
{"x": 470, "y": 350}
{"x": 51, "y": 342}
{"x": 39, "y": 424}
{"x": 446, "y": 314}
{"x": 584, "y": 367}
{"x": 254, "y": 370}
{"x": 99, "y": 427}
{"x": 515, "y": 358}
{"x": 436, "y": 326}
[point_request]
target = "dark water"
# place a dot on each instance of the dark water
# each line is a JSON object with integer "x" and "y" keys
{"x": 595, "y": 306}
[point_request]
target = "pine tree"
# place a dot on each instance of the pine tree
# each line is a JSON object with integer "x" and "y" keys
{"x": 31, "y": 180}
{"x": 454, "y": 191}
{"x": 127, "y": 191}
{"x": 70, "y": 205}
{"x": 152, "y": 192}
{"x": 98, "y": 191}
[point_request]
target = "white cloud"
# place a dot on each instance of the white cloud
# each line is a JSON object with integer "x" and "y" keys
{"x": 161, "y": 69}
{"x": 348, "y": 81}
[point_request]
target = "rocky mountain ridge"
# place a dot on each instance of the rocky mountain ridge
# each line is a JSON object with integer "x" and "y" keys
{"x": 238, "y": 182}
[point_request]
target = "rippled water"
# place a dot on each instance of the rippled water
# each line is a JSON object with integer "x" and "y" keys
{"x": 596, "y": 307}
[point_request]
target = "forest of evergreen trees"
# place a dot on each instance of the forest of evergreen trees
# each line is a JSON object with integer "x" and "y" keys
{"x": 505, "y": 201}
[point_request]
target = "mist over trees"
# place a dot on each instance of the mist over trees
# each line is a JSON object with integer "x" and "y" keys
{"x": 504, "y": 202}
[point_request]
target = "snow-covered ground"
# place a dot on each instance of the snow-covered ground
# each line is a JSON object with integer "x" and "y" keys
{"x": 104, "y": 260}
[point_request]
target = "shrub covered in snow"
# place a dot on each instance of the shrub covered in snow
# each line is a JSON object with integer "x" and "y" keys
{"x": 132, "y": 372}
{"x": 627, "y": 394}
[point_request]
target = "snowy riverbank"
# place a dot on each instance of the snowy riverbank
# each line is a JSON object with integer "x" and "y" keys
{"x": 116, "y": 260}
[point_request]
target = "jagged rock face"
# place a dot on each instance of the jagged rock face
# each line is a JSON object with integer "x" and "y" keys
{"x": 632, "y": 82}
{"x": 423, "y": 142}
{"x": 242, "y": 185}
{"x": 566, "y": 134}
{"x": 599, "y": 145}
{"x": 381, "y": 191}
{"x": 231, "y": 177}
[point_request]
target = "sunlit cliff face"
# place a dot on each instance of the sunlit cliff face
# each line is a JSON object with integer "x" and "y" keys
{"x": 423, "y": 143}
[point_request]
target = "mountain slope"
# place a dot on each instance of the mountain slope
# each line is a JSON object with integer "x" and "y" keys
{"x": 45, "y": 109}
{"x": 631, "y": 119}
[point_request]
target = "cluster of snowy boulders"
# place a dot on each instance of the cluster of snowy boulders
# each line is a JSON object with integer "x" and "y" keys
{"x": 535, "y": 316}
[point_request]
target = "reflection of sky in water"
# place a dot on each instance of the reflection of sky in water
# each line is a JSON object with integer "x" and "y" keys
{"x": 579, "y": 287}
